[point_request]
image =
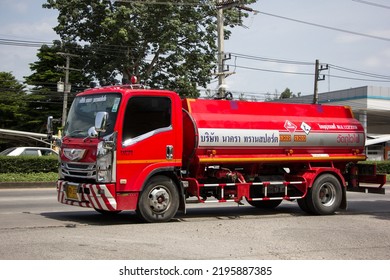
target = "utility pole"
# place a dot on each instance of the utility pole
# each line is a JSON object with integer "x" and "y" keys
{"x": 67, "y": 86}
{"x": 318, "y": 78}
{"x": 315, "y": 95}
{"x": 222, "y": 72}
{"x": 221, "y": 35}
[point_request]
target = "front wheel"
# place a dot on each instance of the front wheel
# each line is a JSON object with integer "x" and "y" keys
{"x": 324, "y": 197}
{"x": 159, "y": 201}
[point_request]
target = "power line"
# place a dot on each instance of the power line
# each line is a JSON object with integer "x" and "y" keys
{"x": 174, "y": 3}
{"x": 24, "y": 43}
{"x": 327, "y": 27}
{"x": 378, "y": 77}
{"x": 372, "y": 4}
{"x": 267, "y": 59}
{"x": 358, "y": 72}
{"x": 357, "y": 79}
{"x": 270, "y": 70}
{"x": 310, "y": 74}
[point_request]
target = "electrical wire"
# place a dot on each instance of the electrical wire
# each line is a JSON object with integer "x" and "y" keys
{"x": 376, "y": 77}
{"x": 267, "y": 59}
{"x": 24, "y": 43}
{"x": 165, "y": 3}
{"x": 270, "y": 70}
{"x": 372, "y": 4}
{"x": 358, "y": 72}
{"x": 326, "y": 27}
{"x": 357, "y": 79}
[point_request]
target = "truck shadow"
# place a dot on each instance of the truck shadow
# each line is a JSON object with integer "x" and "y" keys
{"x": 377, "y": 209}
{"x": 73, "y": 218}
{"x": 202, "y": 212}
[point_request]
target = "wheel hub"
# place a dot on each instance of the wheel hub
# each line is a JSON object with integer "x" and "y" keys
{"x": 327, "y": 194}
{"x": 159, "y": 199}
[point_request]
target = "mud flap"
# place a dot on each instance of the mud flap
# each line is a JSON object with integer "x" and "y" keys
{"x": 182, "y": 202}
{"x": 344, "y": 203}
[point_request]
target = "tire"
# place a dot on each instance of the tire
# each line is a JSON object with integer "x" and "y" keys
{"x": 107, "y": 213}
{"x": 324, "y": 197}
{"x": 265, "y": 204}
{"x": 302, "y": 203}
{"x": 159, "y": 201}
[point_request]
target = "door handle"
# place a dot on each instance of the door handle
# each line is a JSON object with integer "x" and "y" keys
{"x": 169, "y": 150}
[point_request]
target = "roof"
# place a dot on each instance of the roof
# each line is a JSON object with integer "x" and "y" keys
{"x": 372, "y": 140}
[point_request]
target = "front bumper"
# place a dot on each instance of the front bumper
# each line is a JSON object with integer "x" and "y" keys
{"x": 97, "y": 196}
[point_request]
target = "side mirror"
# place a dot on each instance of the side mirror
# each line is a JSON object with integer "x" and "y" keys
{"x": 101, "y": 120}
{"x": 49, "y": 125}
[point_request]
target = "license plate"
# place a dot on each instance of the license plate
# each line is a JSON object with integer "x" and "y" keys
{"x": 275, "y": 189}
{"x": 71, "y": 192}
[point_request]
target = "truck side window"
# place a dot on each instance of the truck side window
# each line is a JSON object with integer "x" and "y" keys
{"x": 146, "y": 114}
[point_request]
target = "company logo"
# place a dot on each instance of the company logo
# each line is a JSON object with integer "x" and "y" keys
{"x": 237, "y": 137}
{"x": 349, "y": 138}
{"x": 74, "y": 154}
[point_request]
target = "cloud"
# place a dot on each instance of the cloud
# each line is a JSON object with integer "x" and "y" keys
{"x": 348, "y": 38}
{"x": 19, "y": 7}
{"x": 17, "y": 60}
{"x": 380, "y": 35}
{"x": 30, "y": 28}
{"x": 385, "y": 33}
{"x": 24, "y": 20}
{"x": 38, "y": 31}
{"x": 378, "y": 60}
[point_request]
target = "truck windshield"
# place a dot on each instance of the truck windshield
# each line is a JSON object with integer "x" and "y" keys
{"x": 82, "y": 113}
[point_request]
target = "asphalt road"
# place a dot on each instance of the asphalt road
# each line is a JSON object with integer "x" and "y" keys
{"x": 33, "y": 226}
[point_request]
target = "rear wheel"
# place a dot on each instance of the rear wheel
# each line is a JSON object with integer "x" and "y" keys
{"x": 302, "y": 202}
{"x": 324, "y": 197}
{"x": 159, "y": 201}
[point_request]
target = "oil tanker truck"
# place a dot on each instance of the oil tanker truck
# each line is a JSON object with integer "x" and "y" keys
{"x": 149, "y": 151}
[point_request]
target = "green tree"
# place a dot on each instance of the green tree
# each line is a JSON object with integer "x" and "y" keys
{"x": 167, "y": 44}
{"x": 44, "y": 99}
{"x": 13, "y": 113}
{"x": 287, "y": 93}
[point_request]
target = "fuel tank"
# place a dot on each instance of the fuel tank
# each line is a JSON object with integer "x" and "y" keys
{"x": 227, "y": 131}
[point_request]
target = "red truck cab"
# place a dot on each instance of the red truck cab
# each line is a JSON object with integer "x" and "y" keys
{"x": 141, "y": 137}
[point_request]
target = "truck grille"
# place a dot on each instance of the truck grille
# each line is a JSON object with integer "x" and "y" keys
{"x": 78, "y": 170}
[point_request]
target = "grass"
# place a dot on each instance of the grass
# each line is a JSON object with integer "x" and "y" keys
{"x": 29, "y": 177}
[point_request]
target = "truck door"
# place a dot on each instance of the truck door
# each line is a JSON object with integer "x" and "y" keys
{"x": 149, "y": 140}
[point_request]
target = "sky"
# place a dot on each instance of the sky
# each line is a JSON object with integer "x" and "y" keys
{"x": 275, "y": 49}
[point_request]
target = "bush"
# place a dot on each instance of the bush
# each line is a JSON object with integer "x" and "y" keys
{"x": 28, "y": 164}
{"x": 382, "y": 167}
{"x": 29, "y": 177}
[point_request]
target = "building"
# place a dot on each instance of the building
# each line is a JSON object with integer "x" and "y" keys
{"x": 371, "y": 106}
